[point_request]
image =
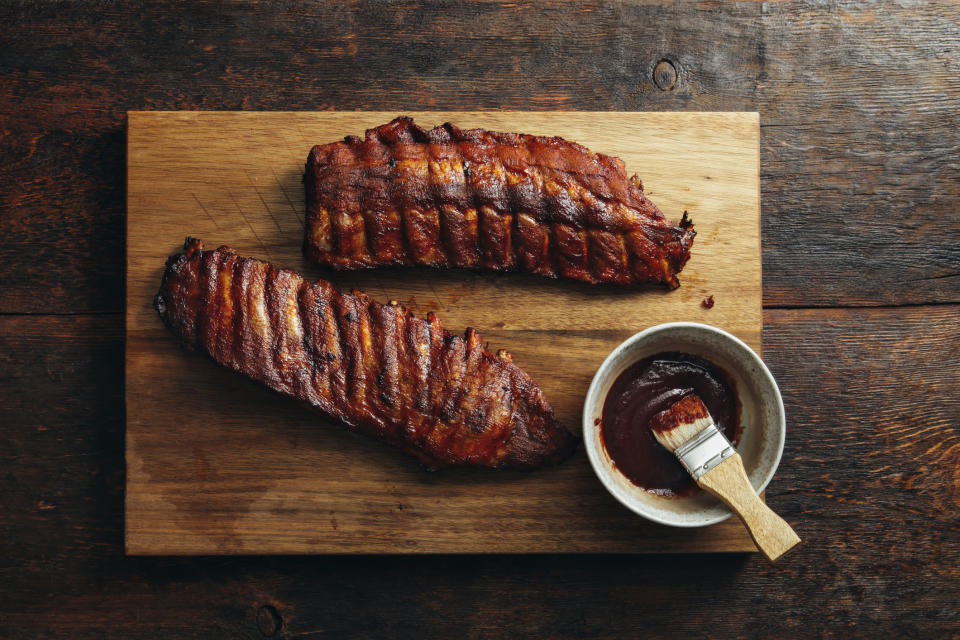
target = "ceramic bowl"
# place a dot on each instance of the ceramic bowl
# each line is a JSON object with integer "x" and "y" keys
{"x": 762, "y": 418}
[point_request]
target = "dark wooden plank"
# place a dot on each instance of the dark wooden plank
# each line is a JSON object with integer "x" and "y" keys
{"x": 868, "y": 478}
{"x": 858, "y": 103}
{"x": 72, "y": 70}
{"x": 860, "y": 141}
{"x": 858, "y": 144}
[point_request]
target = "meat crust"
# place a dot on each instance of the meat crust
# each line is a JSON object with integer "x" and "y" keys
{"x": 376, "y": 368}
{"x": 446, "y": 197}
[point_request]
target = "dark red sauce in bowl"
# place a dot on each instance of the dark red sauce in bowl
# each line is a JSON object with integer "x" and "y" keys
{"x": 645, "y": 389}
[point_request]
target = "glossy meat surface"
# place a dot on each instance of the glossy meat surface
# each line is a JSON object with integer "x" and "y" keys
{"x": 447, "y": 197}
{"x": 376, "y": 368}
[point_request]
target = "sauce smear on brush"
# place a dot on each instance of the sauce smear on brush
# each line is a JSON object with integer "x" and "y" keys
{"x": 645, "y": 389}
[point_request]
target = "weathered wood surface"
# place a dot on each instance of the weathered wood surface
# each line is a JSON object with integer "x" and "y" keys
{"x": 857, "y": 107}
{"x": 870, "y": 395}
{"x": 244, "y": 471}
{"x": 859, "y": 142}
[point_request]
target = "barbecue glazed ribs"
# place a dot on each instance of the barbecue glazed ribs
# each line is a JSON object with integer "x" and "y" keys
{"x": 376, "y": 368}
{"x": 448, "y": 197}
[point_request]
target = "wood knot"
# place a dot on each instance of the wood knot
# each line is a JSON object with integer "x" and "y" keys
{"x": 665, "y": 75}
{"x": 269, "y": 621}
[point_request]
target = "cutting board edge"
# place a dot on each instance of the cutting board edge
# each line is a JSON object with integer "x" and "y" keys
{"x": 134, "y": 549}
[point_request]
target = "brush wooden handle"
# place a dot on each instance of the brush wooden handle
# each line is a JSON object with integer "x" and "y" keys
{"x": 728, "y": 481}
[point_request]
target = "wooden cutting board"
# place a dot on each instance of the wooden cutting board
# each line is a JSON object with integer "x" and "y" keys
{"x": 218, "y": 465}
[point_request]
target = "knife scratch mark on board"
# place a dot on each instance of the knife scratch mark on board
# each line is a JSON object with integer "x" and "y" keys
{"x": 212, "y": 219}
{"x": 255, "y": 235}
{"x": 265, "y": 206}
{"x": 284, "y": 191}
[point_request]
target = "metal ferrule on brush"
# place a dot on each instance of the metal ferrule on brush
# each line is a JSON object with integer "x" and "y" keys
{"x": 704, "y": 451}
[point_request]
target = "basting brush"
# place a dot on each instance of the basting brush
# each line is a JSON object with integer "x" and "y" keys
{"x": 687, "y": 430}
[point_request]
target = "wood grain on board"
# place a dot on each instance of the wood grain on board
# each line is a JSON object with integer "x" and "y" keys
{"x": 858, "y": 157}
{"x": 217, "y": 465}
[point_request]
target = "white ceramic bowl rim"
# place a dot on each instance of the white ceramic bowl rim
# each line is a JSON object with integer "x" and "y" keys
{"x": 600, "y": 460}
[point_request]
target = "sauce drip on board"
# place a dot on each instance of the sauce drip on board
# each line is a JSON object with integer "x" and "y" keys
{"x": 645, "y": 389}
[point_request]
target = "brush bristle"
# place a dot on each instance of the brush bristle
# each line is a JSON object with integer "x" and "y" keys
{"x": 681, "y": 422}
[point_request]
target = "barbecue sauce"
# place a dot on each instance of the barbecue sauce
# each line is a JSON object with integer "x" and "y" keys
{"x": 645, "y": 389}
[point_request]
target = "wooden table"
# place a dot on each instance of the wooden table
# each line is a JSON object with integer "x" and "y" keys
{"x": 860, "y": 134}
